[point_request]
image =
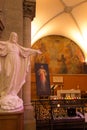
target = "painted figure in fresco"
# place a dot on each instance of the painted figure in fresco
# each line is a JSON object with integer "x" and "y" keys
{"x": 63, "y": 68}
{"x": 14, "y": 64}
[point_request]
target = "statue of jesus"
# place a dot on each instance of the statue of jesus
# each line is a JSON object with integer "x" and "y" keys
{"x": 14, "y": 64}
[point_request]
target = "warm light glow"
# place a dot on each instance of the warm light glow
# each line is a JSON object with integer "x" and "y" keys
{"x": 75, "y": 36}
{"x": 85, "y": 60}
{"x": 34, "y": 28}
{"x": 41, "y": 33}
{"x": 56, "y": 20}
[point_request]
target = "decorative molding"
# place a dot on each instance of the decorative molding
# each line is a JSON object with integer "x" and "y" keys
{"x": 1, "y": 26}
{"x": 1, "y": 21}
{"x": 29, "y": 9}
{"x": 68, "y": 9}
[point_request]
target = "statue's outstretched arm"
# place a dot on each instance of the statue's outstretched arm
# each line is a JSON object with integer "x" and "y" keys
{"x": 28, "y": 51}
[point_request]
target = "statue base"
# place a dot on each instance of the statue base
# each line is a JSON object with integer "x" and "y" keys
{"x": 11, "y": 120}
{"x": 11, "y": 102}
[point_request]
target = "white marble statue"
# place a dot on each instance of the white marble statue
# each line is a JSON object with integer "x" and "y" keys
{"x": 14, "y": 64}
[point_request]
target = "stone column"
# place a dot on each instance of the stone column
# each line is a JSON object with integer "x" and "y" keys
{"x": 29, "y": 119}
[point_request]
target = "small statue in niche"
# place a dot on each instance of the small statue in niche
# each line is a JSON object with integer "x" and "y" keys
{"x": 14, "y": 64}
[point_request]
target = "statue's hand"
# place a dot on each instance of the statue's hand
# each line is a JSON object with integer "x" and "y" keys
{"x": 39, "y": 52}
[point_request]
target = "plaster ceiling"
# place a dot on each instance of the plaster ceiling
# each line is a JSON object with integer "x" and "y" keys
{"x": 61, "y": 17}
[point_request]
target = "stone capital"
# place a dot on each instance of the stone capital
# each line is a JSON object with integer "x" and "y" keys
{"x": 29, "y": 9}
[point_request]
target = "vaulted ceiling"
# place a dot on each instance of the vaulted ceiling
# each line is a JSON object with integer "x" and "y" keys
{"x": 61, "y": 17}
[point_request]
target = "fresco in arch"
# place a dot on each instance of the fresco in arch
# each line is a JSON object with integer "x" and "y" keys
{"x": 62, "y": 55}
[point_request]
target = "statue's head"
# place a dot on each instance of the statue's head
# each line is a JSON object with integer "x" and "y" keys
{"x": 13, "y": 37}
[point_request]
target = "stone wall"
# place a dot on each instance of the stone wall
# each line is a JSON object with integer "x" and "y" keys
{"x": 13, "y": 18}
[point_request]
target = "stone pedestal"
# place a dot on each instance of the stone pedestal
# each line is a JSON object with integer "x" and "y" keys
{"x": 29, "y": 120}
{"x": 12, "y": 120}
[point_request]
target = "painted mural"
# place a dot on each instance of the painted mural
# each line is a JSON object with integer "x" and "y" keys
{"x": 62, "y": 55}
